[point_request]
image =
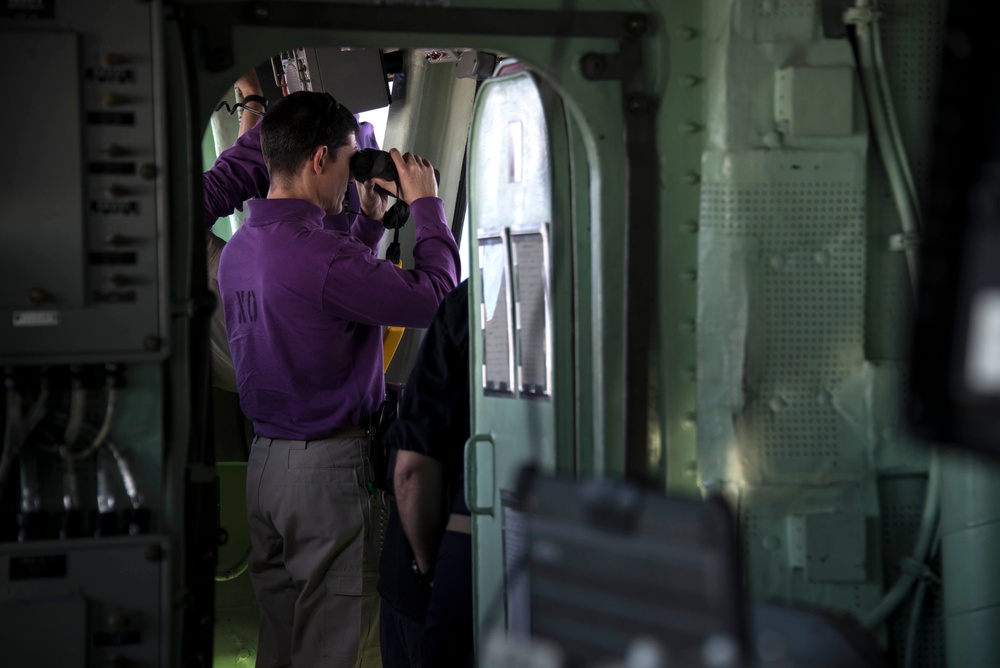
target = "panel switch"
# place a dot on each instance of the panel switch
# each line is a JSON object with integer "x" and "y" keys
{"x": 109, "y": 59}
{"x": 119, "y": 281}
{"x": 115, "y": 151}
{"x": 38, "y": 296}
{"x": 118, "y": 620}
{"x": 113, "y": 100}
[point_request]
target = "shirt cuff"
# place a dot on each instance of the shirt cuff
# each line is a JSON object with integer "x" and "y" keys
{"x": 428, "y": 208}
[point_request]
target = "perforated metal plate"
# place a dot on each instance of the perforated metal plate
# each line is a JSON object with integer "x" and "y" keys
{"x": 803, "y": 217}
{"x": 801, "y": 303}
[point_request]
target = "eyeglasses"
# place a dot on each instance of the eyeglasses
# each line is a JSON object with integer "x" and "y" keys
{"x": 321, "y": 124}
{"x": 331, "y": 103}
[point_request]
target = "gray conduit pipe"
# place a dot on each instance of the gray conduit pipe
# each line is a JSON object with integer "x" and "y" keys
{"x": 890, "y": 111}
{"x": 921, "y": 548}
{"x": 864, "y": 17}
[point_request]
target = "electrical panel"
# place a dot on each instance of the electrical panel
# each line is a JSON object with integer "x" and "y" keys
{"x": 100, "y": 602}
{"x": 82, "y": 210}
{"x": 82, "y": 290}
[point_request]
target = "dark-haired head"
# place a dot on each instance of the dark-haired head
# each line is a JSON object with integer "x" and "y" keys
{"x": 297, "y": 125}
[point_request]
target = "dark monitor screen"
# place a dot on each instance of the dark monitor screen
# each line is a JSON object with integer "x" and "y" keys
{"x": 609, "y": 565}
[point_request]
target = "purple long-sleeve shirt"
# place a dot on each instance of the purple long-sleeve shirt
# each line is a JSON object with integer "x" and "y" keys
{"x": 304, "y": 308}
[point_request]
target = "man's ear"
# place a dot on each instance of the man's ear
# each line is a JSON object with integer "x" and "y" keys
{"x": 320, "y": 158}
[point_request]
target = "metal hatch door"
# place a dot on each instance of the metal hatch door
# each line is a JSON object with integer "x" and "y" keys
{"x": 522, "y": 340}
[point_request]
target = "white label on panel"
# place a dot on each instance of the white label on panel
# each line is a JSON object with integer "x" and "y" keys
{"x": 532, "y": 317}
{"x": 36, "y": 318}
{"x": 498, "y": 337}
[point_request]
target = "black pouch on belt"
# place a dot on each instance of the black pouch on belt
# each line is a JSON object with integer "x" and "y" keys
{"x": 376, "y": 425}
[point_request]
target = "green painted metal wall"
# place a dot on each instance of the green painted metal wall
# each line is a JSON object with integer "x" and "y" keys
{"x": 780, "y": 318}
{"x": 680, "y": 84}
{"x": 785, "y": 393}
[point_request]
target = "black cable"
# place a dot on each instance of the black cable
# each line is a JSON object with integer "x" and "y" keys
{"x": 241, "y": 105}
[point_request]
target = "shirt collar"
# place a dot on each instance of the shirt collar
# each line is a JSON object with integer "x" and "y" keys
{"x": 268, "y": 211}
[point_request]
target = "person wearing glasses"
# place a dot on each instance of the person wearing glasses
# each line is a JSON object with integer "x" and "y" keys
{"x": 240, "y": 174}
{"x": 304, "y": 308}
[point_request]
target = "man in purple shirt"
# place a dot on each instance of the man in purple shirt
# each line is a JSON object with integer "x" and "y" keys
{"x": 240, "y": 174}
{"x": 305, "y": 301}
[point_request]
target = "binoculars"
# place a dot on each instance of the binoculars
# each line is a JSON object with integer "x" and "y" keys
{"x": 371, "y": 163}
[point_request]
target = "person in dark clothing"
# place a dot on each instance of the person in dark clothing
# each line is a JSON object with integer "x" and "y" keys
{"x": 425, "y": 571}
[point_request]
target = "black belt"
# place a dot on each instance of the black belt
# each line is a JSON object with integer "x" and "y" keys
{"x": 352, "y": 432}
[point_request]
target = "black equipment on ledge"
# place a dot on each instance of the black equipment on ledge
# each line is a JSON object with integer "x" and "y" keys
{"x": 607, "y": 572}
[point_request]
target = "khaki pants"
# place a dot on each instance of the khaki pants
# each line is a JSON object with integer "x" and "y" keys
{"x": 314, "y": 552}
